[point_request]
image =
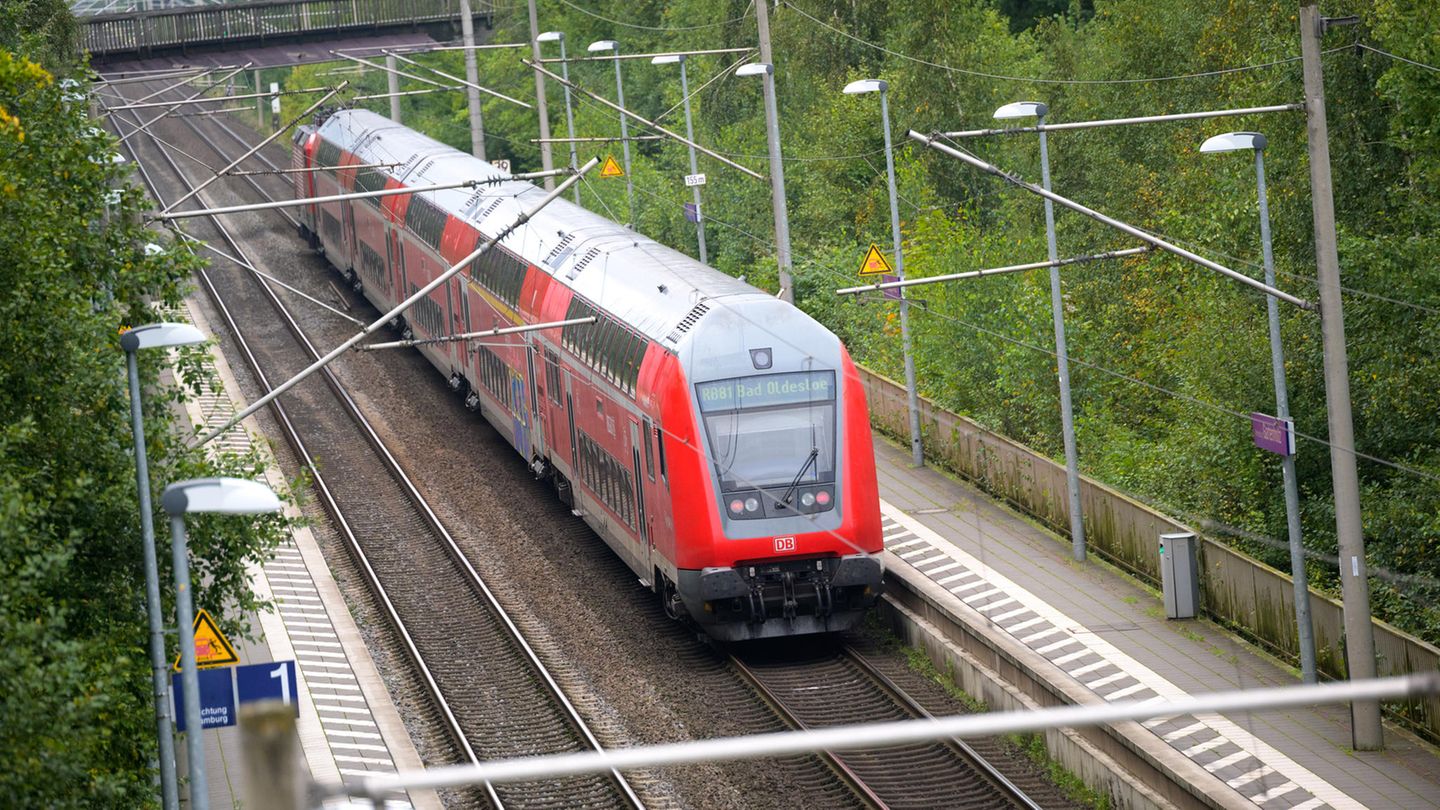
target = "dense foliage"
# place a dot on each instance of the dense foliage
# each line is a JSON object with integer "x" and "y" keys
{"x": 76, "y": 718}
{"x": 1167, "y": 357}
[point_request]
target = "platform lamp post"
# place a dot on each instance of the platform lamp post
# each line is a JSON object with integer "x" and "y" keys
{"x": 1255, "y": 142}
{"x": 559, "y": 36}
{"x": 679, "y": 58}
{"x": 154, "y": 336}
{"x": 222, "y": 496}
{"x": 601, "y": 46}
{"x": 766, "y": 72}
{"x": 917, "y": 451}
{"x": 1036, "y": 109}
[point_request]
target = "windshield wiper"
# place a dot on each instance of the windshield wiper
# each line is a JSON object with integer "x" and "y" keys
{"x": 810, "y": 459}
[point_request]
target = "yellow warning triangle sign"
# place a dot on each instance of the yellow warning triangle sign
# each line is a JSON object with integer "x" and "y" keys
{"x": 212, "y": 649}
{"x": 874, "y": 263}
{"x": 611, "y": 168}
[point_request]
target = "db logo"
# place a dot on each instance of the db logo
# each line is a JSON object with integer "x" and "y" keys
{"x": 784, "y": 544}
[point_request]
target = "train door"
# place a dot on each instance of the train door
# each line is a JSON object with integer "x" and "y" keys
{"x": 549, "y": 416}
{"x": 570, "y": 415}
{"x": 643, "y": 521}
{"x": 461, "y": 324}
{"x": 347, "y": 218}
{"x": 392, "y": 261}
{"x": 537, "y": 433}
{"x": 518, "y": 418}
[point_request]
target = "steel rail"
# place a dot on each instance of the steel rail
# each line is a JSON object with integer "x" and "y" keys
{"x": 474, "y": 578}
{"x": 963, "y": 749}
{"x": 846, "y": 775}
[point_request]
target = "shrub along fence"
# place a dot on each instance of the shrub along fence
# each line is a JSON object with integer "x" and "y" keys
{"x": 1235, "y": 588}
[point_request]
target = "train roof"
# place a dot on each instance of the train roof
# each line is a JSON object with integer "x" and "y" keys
{"x": 657, "y": 290}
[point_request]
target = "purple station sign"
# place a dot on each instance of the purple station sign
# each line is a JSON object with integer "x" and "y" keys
{"x": 1273, "y": 433}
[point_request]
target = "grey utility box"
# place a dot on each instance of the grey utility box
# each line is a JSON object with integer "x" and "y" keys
{"x": 1179, "y": 575}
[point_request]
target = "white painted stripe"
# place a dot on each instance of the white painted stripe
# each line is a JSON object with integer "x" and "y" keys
{"x": 352, "y": 698}
{"x": 358, "y": 746}
{"x": 1163, "y": 688}
{"x": 915, "y": 552}
{"x": 946, "y": 580}
{"x": 359, "y": 735}
{"x": 286, "y": 599}
{"x": 941, "y": 569}
{"x": 1274, "y": 793}
{"x": 978, "y": 583}
{"x": 1250, "y": 776}
{"x": 326, "y": 707}
{"x": 1107, "y": 680}
{"x": 1183, "y": 732}
{"x": 311, "y": 655}
{"x": 1225, "y": 761}
{"x": 894, "y": 541}
{"x": 1127, "y": 691}
{"x": 326, "y": 625}
{"x": 1025, "y": 625}
{"x": 1068, "y": 657}
{"x": 1046, "y": 633}
{"x": 313, "y": 633}
{"x": 975, "y": 597}
{"x": 1200, "y": 748}
{"x": 351, "y": 772}
{"x": 347, "y": 721}
{"x": 1053, "y": 646}
{"x": 308, "y": 642}
{"x": 986, "y": 608}
{"x": 1310, "y": 804}
{"x": 338, "y": 687}
{"x": 364, "y": 760}
{"x": 1088, "y": 668}
{"x": 1010, "y": 614}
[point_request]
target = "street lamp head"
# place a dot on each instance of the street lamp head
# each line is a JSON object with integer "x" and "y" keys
{"x": 221, "y": 496}
{"x": 755, "y": 69}
{"x": 551, "y": 36}
{"x": 866, "y": 86}
{"x": 603, "y": 45}
{"x": 1022, "y": 109}
{"x": 160, "y": 335}
{"x": 668, "y": 59}
{"x": 1234, "y": 142}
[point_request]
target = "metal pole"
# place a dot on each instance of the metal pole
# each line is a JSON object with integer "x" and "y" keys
{"x": 569, "y": 115}
{"x": 912, "y": 393}
{"x": 1117, "y": 122}
{"x": 1114, "y": 223}
{"x": 1354, "y": 586}
{"x": 547, "y": 158}
{"x": 259, "y": 105}
{"x": 189, "y": 674}
{"x": 472, "y": 74}
{"x": 1062, "y": 357}
{"x": 993, "y": 271}
{"x": 160, "y": 676}
{"x": 694, "y": 167}
{"x": 777, "y": 168}
{"x": 392, "y": 85}
{"x": 1287, "y": 462}
{"x": 625, "y": 143}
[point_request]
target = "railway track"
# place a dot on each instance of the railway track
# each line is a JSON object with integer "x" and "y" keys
{"x": 853, "y": 691}
{"x": 500, "y": 701}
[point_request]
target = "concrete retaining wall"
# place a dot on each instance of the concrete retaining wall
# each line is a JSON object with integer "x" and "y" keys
{"x": 1235, "y": 589}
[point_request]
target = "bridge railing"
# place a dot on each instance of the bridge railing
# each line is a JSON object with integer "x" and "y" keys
{"x": 144, "y": 31}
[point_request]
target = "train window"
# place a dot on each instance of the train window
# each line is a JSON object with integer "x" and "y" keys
{"x": 649, "y": 456}
{"x": 660, "y": 452}
{"x": 552, "y": 376}
{"x": 370, "y": 180}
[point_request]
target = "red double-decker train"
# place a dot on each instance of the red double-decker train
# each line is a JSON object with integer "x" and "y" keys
{"x": 717, "y": 438}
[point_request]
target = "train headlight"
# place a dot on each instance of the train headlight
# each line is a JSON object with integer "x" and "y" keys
{"x": 752, "y": 505}
{"x": 737, "y": 506}
{"x": 823, "y": 497}
{"x": 807, "y": 499}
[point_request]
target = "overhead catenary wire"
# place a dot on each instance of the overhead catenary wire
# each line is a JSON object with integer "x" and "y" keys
{"x": 1373, "y": 49}
{"x": 665, "y": 29}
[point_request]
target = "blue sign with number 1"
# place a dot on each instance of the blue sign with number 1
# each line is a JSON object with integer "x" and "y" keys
{"x": 275, "y": 680}
{"x": 217, "y": 699}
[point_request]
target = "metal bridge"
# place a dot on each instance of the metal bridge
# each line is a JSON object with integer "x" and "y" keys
{"x": 110, "y": 36}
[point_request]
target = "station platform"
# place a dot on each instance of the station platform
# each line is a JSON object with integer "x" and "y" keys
{"x": 1109, "y": 634}
{"x": 348, "y": 726}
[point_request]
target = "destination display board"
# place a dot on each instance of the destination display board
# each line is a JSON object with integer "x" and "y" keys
{"x": 766, "y": 391}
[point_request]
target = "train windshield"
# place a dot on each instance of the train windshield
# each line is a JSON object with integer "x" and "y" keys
{"x": 764, "y": 430}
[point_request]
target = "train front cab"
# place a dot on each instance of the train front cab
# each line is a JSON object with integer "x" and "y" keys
{"x": 782, "y": 470}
